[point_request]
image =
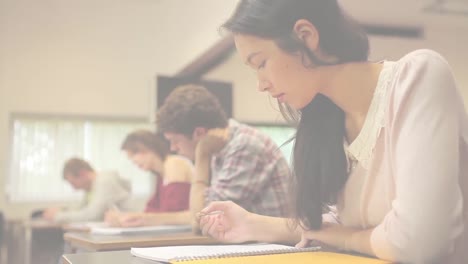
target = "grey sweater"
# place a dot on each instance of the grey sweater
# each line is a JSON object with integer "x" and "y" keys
{"x": 108, "y": 189}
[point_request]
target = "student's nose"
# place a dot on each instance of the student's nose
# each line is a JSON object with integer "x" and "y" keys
{"x": 263, "y": 85}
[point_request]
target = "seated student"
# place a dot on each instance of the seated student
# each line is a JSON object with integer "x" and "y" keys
{"x": 233, "y": 161}
{"x": 387, "y": 142}
{"x": 103, "y": 191}
{"x": 170, "y": 201}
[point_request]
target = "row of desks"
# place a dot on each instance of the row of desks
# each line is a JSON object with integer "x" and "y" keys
{"x": 86, "y": 242}
{"x": 78, "y": 240}
{"x": 111, "y": 257}
{"x": 82, "y": 247}
{"x": 89, "y": 242}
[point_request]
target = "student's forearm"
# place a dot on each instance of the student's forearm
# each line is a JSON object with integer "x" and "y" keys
{"x": 349, "y": 239}
{"x": 200, "y": 184}
{"x": 197, "y": 203}
{"x": 198, "y": 188}
{"x": 361, "y": 242}
{"x": 274, "y": 230}
{"x": 346, "y": 238}
{"x": 89, "y": 213}
{"x": 202, "y": 168}
{"x": 197, "y": 198}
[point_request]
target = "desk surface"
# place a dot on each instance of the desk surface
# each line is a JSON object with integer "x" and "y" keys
{"x": 125, "y": 257}
{"x": 92, "y": 242}
{"x": 111, "y": 257}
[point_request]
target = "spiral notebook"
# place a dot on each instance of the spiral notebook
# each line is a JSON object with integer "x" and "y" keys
{"x": 188, "y": 253}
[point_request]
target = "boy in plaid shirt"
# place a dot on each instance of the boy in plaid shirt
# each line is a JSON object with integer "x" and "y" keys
{"x": 233, "y": 161}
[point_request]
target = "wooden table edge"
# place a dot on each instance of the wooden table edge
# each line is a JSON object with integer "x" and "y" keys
{"x": 65, "y": 260}
{"x": 125, "y": 245}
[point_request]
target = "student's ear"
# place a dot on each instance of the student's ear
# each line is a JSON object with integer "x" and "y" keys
{"x": 199, "y": 133}
{"x": 307, "y": 33}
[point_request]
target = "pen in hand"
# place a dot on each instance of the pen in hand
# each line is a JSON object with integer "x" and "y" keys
{"x": 112, "y": 216}
{"x": 115, "y": 208}
{"x": 201, "y": 214}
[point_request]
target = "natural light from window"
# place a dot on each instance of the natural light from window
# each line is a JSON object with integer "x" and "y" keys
{"x": 41, "y": 144}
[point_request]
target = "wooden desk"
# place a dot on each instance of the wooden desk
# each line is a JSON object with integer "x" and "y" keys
{"x": 90, "y": 242}
{"x": 53, "y": 231}
{"x": 111, "y": 257}
{"x": 32, "y": 241}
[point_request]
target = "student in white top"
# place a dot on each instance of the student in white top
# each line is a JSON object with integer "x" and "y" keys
{"x": 386, "y": 142}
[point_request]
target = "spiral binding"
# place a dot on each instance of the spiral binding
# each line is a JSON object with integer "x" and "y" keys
{"x": 249, "y": 253}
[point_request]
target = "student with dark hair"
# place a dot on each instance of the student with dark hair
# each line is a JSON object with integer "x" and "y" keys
{"x": 386, "y": 142}
{"x": 233, "y": 161}
{"x": 103, "y": 190}
{"x": 170, "y": 201}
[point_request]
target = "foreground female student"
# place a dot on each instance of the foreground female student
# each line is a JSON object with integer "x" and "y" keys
{"x": 170, "y": 201}
{"x": 386, "y": 142}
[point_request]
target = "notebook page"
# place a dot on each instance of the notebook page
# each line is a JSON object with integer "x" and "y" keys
{"x": 167, "y": 254}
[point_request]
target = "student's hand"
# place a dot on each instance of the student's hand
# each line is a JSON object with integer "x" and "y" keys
{"x": 131, "y": 220}
{"x": 213, "y": 142}
{"x": 112, "y": 218}
{"x": 232, "y": 226}
{"x": 49, "y": 213}
{"x": 331, "y": 234}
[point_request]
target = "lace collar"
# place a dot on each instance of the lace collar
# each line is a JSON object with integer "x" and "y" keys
{"x": 360, "y": 150}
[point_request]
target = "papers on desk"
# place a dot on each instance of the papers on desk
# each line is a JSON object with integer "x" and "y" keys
{"x": 86, "y": 225}
{"x": 102, "y": 228}
{"x": 154, "y": 230}
{"x": 187, "y": 253}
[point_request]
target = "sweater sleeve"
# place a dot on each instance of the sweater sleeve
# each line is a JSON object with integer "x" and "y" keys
{"x": 107, "y": 191}
{"x": 426, "y": 215}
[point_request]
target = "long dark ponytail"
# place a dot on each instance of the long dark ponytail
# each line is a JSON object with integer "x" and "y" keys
{"x": 319, "y": 161}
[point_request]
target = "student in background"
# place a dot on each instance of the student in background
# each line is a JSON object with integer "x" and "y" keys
{"x": 233, "y": 161}
{"x": 170, "y": 201}
{"x": 103, "y": 190}
{"x": 387, "y": 142}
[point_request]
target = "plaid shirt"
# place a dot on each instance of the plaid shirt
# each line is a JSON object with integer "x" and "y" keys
{"x": 250, "y": 171}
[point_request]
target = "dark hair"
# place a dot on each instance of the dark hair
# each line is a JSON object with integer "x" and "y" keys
{"x": 139, "y": 139}
{"x": 74, "y": 166}
{"x": 189, "y": 107}
{"x": 319, "y": 161}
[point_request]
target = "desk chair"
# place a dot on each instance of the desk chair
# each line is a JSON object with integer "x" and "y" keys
{"x": 3, "y": 256}
{"x": 2, "y": 229}
{"x": 36, "y": 214}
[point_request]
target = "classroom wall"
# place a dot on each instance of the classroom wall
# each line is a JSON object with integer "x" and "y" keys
{"x": 450, "y": 41}
{"x": 93, "y": 57}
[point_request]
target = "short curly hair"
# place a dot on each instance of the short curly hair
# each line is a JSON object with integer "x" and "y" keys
{"x": 189, "y": 107}
{"x": 74, "y": 166}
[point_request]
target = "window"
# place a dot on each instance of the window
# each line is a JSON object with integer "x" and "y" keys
{"x": 40, "y": 145}
{"x": 280, "y": 134}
